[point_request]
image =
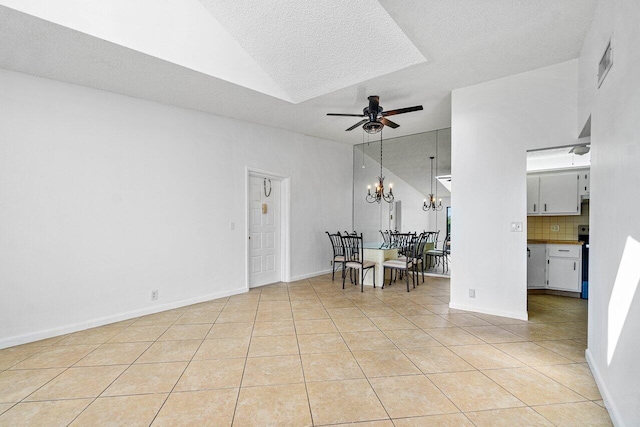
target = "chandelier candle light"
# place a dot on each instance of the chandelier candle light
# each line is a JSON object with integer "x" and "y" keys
{"x": 379, "y": 194}
{"x": 432, "y": 199}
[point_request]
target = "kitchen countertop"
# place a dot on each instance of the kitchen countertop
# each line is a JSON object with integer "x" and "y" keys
{"x": 556, "y": 242}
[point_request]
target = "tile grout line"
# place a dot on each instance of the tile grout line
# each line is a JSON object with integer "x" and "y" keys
{"x": 188, "y": 362}
{"x": 244, "y": 368}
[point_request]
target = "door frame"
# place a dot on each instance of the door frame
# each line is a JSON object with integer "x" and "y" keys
{"x": 285, "y": 235}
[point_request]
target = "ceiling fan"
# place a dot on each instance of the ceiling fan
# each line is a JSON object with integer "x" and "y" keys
{"x": 376, "y": 117}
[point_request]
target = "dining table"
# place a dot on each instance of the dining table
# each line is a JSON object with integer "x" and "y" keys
{"x": 379, "y": 252}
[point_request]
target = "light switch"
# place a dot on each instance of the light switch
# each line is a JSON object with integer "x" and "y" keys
{"x": 516, "y": 227}
{"x": 264, "y": 208}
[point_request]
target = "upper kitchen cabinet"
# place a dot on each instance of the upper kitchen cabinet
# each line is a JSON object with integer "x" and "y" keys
{"x": 553, "y": 193}
{"x": 533, "y": 194}
{"x": 559, "y": 194}
{"x": 583, "y": 183}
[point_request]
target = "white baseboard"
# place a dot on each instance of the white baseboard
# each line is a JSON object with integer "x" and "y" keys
{"x": 501, "y": 313}
{"x": 308, "y": 275}
{"x": 614, "y": 414}
{"x": 101, "y": 321}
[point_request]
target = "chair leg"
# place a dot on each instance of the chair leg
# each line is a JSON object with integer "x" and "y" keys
{"x": 407, "y": 280}
{"x": 374, "y": 277}
{"x": 344, "y": 277}
{"x": 384, "y": 273}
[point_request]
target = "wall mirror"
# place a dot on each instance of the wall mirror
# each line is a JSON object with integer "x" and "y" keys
{"x": 405, "y": 165}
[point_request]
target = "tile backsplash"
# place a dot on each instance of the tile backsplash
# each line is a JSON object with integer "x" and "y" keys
{"x": 544, "y": 227}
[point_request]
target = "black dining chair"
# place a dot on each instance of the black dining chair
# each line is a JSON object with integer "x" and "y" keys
{"x": 418, "y": 260}
{"x": 354, "y": 260}
{"x": 338, "y": 252}
{"x": 441, "y": 255}
{"x": 403, "y": 265}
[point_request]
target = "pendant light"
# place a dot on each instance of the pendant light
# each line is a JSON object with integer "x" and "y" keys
{"x": 379, "y": 193}
{"x": 431, "y": 205}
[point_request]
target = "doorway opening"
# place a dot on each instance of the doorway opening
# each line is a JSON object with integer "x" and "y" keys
{"x": 558, "y": 196}
{"x": 267, "y": 238}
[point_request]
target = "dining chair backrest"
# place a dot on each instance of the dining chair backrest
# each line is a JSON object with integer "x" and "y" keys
{"x": 431, "y": 236}
{"x": 421, "y": 243}
{"x": 386, "y": 237}
{"x": 350, "y": 233}
{"x": 446, "y": 244}
{"x": 336, "y": 244}
{"x": 353, "y": 249}
{"x": 403, "y": 241}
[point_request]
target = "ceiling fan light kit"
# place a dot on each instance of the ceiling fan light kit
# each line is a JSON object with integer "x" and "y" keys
{"x": 580, "y": 150}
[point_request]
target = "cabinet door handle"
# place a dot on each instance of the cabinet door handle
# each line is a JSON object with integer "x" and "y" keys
{"x": 545, "y": 207}
{"x": 574, "y": 266}
{"x": 534, "y": 207}
{"x": 563, "y": 250}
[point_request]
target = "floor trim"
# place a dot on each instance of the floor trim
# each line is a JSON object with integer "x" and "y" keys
{"x": 614, "y": 413}
{"x": 510, "y": 314}
{"x": 101, "y": 321}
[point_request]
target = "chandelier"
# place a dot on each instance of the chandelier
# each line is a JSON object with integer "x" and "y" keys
{"x": 379, "y": 193}
{"x": 431, "y": 205}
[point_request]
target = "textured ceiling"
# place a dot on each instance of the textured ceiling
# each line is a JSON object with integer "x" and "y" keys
{"x": 466, "y": 43}
{"x": 313, "y": 48}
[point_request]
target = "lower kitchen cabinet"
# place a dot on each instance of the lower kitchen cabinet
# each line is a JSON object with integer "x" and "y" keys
{"x": 563, "y": 274}
{"x": 554, "y": 266}
{"x": 536, "y": 263}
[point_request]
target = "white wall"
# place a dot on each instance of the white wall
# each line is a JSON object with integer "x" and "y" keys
{"x": 614, "y": 273}
{"x": 493, "y": 124}
{"x": 104, "y": 198}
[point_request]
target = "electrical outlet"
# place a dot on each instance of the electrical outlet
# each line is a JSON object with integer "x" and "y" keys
{"x": 154, "y": 295}
{"x": 516, "y": 227}
{"x": 555, "y": 228}
{"x": 472, "y": 293}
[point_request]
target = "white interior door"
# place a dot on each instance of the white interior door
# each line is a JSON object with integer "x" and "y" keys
{"x": 264, "y": 231}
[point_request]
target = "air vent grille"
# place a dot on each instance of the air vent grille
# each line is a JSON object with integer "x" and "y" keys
{"x": 605, "y": 64}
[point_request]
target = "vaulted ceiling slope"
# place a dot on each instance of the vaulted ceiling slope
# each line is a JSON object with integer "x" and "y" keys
{"x": 286, "y": 64}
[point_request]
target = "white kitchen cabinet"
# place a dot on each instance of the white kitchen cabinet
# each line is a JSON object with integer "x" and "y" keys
{"x": 533, "y": 194}
{"x": 536, "y": 263}
{"x": 559, "y": 194}
{"x": 583, "y": 183}
{"x": 554, "y": 266}
{"x": 564, "y": 267}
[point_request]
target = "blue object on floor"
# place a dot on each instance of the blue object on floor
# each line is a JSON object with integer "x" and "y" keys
{"x": 585, "y": 290}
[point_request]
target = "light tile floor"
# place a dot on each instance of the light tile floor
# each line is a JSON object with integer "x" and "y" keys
{"x": 309, "y": 353}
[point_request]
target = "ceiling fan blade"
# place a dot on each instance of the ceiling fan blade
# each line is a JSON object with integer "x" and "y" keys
{"x": 389, "y": 123}
{"x": 361, "y": 122}
{"x": 345, "y": 115}
{"x": 402, "y": 110}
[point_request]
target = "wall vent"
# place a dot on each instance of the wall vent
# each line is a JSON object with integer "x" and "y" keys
{"x": 605, "y": 64}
